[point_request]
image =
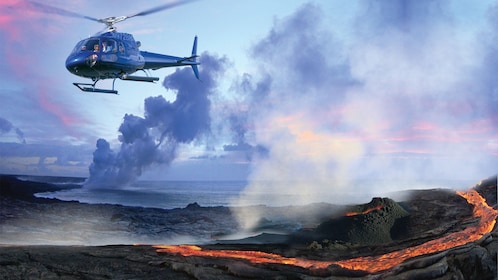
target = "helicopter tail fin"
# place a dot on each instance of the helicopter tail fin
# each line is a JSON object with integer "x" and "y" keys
{"x": 194, "y": 47}
{"x": 194, "y": 57}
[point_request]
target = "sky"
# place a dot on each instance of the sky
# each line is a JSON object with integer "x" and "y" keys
{"x": 293, "y": 91}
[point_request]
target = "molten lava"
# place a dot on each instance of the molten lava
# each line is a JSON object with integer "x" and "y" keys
{"x": 371, "y": 264}
{"x": 350, "y": 214}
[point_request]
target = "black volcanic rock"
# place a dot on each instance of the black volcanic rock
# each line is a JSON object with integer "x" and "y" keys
{"x": 433, "y": 214}
{"x": 11, "y": 186}
{"x": 487, "y": 188}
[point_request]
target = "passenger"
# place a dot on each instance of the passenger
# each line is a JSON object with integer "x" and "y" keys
{"x": 96, "y": 47}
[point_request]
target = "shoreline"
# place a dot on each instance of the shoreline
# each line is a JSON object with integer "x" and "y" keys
{"x": 27, "y": 219}
{"x": 165, "y": 195}
{"x": 433, "y": 213}
{"x": 13, "y": 187}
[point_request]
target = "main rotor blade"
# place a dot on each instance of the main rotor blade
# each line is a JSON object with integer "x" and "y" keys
{"x": 58, "y": 11}
{"x": 161, "y": 8}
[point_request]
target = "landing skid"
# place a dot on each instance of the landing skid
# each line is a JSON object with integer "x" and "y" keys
{"x": 91, "y": 87}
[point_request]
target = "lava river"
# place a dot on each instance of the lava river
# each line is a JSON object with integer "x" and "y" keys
{"x": 371, "y": 264}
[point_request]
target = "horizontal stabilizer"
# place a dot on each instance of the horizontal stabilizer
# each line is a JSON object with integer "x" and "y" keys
{"x": 140, "y": 79}
{"x": 189, "y": 59}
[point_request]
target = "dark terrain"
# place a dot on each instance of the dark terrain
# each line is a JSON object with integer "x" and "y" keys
{"x": 326, "y": 234}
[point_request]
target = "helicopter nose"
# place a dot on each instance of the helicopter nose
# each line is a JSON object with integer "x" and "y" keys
{"x": 75, "y": 63}
{"x": 80, "y": 63}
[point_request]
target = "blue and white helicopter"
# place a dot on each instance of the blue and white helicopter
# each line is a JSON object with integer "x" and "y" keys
{"x": 116, "y": 55}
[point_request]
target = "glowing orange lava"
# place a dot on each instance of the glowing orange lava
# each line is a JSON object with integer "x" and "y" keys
{"x": 350, "y": 214}
{"x": 370, "y": 264}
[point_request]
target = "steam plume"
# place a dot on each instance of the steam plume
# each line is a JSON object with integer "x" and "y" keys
{"x": 154, "y": 138}
{"x": 404, "y": 97}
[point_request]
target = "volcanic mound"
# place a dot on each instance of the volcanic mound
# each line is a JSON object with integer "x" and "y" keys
{"x": 368, "y": 224}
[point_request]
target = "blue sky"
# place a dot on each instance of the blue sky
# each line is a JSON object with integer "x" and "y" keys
{"x": 296, "y": 90}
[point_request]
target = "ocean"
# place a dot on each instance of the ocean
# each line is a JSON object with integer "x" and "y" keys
{"x": 179, "y": 194}
{"x": 159, "y": 194}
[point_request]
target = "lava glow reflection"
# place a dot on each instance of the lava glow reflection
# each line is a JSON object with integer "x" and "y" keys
{"x": 371, "y": 264}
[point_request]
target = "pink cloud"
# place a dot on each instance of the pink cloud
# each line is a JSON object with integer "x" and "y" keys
{"x": 26, "y": 34}
{"x": 65, "y": 115}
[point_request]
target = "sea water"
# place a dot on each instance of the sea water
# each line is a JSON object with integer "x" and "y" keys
{"x": 159, "y": 194}
{"x": 179, "y": 194}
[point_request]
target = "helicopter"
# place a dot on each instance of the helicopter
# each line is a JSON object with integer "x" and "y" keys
{"x": 116, "y": 55}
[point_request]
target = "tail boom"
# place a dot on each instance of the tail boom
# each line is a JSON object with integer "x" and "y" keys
{"x": 156, "y": 61}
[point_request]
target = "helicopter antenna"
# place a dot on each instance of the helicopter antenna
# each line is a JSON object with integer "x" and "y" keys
{"x": 108, "y": 21}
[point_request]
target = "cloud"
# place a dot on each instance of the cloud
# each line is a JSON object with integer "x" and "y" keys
{"x": 28, "y": 37}
{"x": 44, "y": 159}
{"x": 6, "y": 127}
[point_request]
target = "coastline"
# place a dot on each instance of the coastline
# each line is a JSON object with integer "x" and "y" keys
{"x": 30, "y": 220}
{"x": 48, "y": 238}
{"x": 13, "y": 187}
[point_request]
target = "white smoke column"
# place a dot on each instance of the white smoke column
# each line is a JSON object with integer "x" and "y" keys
{"x": 408, "y": 98}
{"x": 154, "y": 138}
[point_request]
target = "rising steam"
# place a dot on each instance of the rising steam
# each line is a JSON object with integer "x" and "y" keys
{"x": 404, "y": 96}
{"x": 154, "y": 138}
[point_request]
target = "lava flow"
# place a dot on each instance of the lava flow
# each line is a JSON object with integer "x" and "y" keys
{"x": 371, "y": 264}
{"x": 350, "y": 214}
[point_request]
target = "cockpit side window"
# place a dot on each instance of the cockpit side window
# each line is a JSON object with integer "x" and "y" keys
{"x": 109, "y": 45}
{"x": 121, "y": 47}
